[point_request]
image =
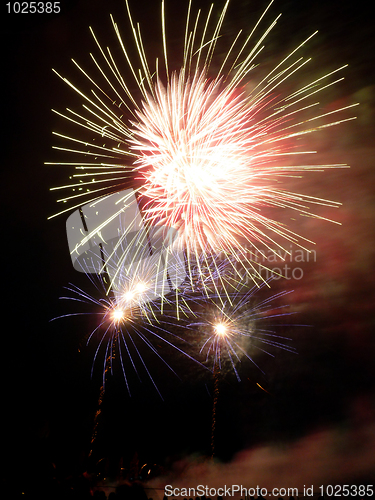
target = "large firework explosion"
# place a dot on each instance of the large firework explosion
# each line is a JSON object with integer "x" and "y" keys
{"x": 207, "y": 142}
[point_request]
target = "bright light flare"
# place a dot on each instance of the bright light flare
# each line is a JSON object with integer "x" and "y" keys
{"x": 221, "y": 329}
{"x": 118, "y": 314}
{"x": 140, "y": 288}
{"x": 134, "y": 296}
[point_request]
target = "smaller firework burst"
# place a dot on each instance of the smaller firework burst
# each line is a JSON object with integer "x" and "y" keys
{"x": 233, "y": 327}
{"x": 127, "y": 323}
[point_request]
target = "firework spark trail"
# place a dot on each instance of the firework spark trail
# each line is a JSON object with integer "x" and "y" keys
{"x": 209, "y": 154}
{"x": 216, "y": 375}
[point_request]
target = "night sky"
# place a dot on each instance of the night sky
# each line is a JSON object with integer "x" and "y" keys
{"x": 327, "y": 390}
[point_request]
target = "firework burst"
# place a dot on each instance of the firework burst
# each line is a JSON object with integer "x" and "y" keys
{"x": 206, "y": 155}
{"x": 126, "y": 325}
{"x": 234, "y": 330}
